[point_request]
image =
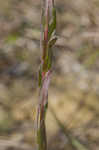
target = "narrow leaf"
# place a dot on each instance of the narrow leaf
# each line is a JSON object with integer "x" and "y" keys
{"x": 52, "y": 26}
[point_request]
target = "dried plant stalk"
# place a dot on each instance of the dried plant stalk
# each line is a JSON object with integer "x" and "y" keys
{"x": 48, "y": 39}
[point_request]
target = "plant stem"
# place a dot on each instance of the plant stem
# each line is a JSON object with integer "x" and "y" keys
{"x": 47, "y": 41}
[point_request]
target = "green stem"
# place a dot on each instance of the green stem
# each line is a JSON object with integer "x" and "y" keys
{"x": 48, "y": 39}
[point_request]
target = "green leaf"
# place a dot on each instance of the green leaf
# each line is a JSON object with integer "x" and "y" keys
{"x": 40, "y": 77}
{"x": 52, "y": 26}
{"x": 45, "y": 109}
{"x": 52, "y": 41}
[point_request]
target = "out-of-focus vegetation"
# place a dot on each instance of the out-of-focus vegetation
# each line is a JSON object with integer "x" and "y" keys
{"x": 74, "y": 90}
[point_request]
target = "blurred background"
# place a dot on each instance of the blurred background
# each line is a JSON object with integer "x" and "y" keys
{"x": 73, "y": 116}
